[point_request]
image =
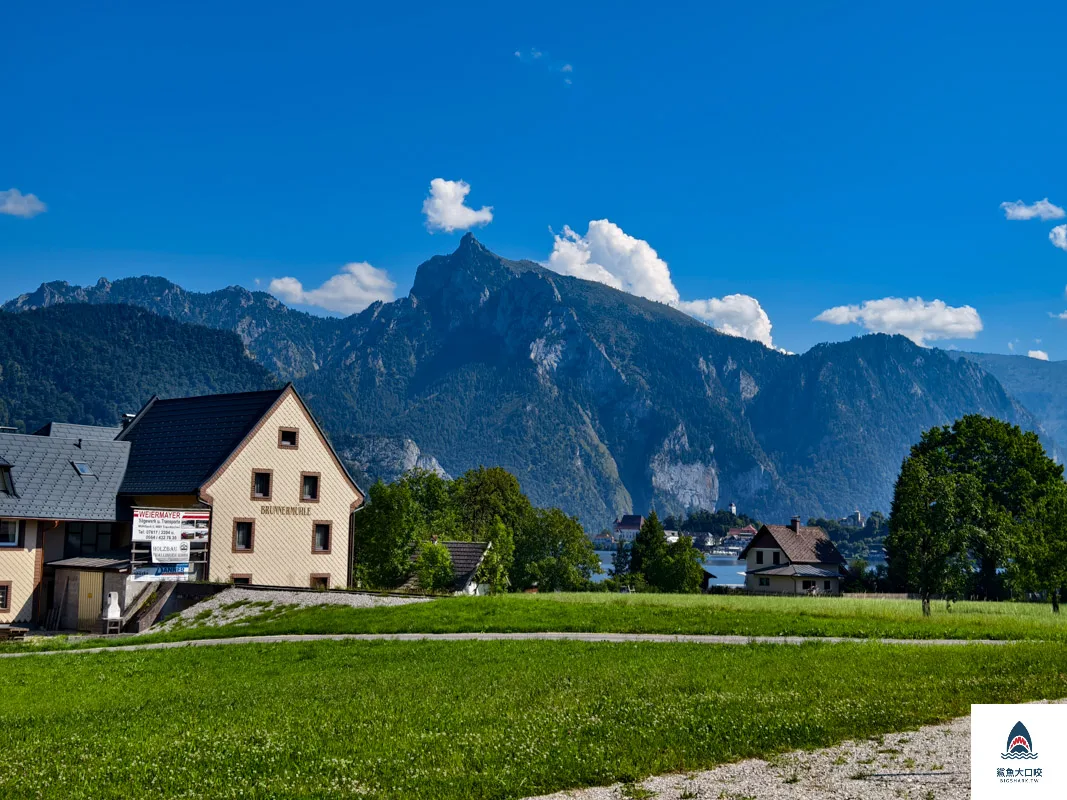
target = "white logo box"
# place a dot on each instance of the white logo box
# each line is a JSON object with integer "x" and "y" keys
{"x": 1019, "y": 751}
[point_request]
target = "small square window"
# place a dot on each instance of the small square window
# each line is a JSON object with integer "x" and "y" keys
{"x": 288, "y": 438}
{"x": 9, "y": 533}
{"x": 309, "y": 487}
{"x": 241, "y": 580}
{"x": 320, "y": 581}
{"x": 244, "y": 531}
{"x": 83, "y": 469}
{"x": 321, "y": 543}
{"x": 261, "y": 485}
{"x": 764, "y": 581}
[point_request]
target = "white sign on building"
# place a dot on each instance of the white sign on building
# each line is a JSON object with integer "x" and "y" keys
{"x": 165, "y": 552}
{"x": 170, "y": 525}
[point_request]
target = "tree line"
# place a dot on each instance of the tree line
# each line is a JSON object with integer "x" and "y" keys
{"x": 394, "y": 534}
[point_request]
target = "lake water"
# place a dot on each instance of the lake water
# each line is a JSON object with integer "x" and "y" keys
{"x": 728, "y": 571}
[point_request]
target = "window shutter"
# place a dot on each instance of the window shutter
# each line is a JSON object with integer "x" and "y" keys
{"x": 22, "y": 533}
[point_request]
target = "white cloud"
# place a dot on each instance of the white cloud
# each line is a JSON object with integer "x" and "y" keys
{"x": 607, "y": 254}
{"x": 1040, "y": 355}
{"x": 354, "y": 288}
{"x": 1042, "y": 209}
{"x": 915, "y": 318}
{"x": 1061, "y": 315}
{"x": 446, "y": 210}
{"x": 17, "y": 204}
{"x": 1058, "y": 237}
{"x": 735, "y": 314}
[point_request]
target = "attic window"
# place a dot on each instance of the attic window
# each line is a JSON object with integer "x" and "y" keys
{"x": 83, "y": 469}
{"x": 7, "y": 482}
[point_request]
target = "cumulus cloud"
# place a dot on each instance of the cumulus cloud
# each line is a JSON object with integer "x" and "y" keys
{"x": 16, "y": 204}
{"x": 607, "y": 254}
{"x": 1042, "y": 209}
{"x": 354, "y": 288}
{"x": 1058, "y": 237}
{"x": 735, "y": 314}
{"x": 915, "y": 318}
{"x": 1040, "y": 355}
{"x": 446, "y": 209}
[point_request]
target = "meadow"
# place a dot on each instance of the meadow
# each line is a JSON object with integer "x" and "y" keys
{"x": 466, "y": 719}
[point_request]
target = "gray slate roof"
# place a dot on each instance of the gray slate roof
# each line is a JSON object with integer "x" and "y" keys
{"x": 178, "y": 444}
{"x": 67, "y": 430}
{"x": 466, "y": 558}
{"x": 49, "y": 487}
{"x": 84, "y": 562}
{"x": 797, "y": 571}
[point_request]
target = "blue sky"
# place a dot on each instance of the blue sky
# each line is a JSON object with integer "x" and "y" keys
{"x": 806, "y": 155}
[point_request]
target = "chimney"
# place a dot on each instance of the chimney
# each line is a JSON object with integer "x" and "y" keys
{"x": 127, "y": 419}
{"x": 794, "y": 523}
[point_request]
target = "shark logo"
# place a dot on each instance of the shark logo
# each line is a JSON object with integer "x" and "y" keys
{"x": 1020, "y": 745}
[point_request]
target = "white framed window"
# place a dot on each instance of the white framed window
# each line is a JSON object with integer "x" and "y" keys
{"x": 9, "y": 533}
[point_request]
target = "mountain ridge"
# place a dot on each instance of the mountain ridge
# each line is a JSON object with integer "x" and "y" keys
{"x": 600, "y": 402}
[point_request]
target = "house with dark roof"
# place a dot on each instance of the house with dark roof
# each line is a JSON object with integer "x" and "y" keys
{"x": 792, "y": 559}
{"x": 627, "y": 528}
{"x": 466, "y": 557}
{"x": 58, "y": 500}
{"x": 259, "y": 470}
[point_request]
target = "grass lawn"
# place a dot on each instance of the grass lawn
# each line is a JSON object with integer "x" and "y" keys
{"x": 465, "y": 719}
{"x": 641, "y": 613}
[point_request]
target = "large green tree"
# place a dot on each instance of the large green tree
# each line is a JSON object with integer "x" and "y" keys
{"x": 553, "y": 553}
{"x": 650, "y": 544}
{"x": 981, "y": 479}
{"x": 386, "y": 533}
{"x": 928, "y": 532}
{"x": 1039, "y": 562}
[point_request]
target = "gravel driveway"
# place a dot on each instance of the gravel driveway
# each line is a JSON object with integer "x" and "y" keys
{"x": 233, "y": 605}
{"x": 932, "y": 763}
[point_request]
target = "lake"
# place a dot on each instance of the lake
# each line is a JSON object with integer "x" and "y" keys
{"x": 728, "y": 571}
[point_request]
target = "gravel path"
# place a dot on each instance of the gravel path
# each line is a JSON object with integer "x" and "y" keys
{"x": 233, "y": 605}
{"x": 932, "y": 763}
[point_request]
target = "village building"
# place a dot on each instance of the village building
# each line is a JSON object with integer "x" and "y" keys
{"x": 58, "y": 505}
{"x": 241, "y": 488}
{"x": 603, "y": 541}
{"x": 627, "y": 528}
{"x": 792, "y": 559}
{"x": 467, "y": 558}
{"x": 277, "y": 499}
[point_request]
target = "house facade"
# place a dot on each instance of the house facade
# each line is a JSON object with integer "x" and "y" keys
{"x": 58, "y": 492}
{"x": 278, "y": 499}
{"x": 242, "y": 488}
{"x": 627, "y": 528}
{"x": 792, "y": 559}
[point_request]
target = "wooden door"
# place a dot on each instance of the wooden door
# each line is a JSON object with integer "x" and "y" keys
{"x": 90, "y": 599}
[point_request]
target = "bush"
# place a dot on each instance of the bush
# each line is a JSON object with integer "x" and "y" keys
{"x": 434, "y": 568}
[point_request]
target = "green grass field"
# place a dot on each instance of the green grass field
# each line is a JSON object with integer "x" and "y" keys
{"x": 639, "y": 613}
{"x": 465, "y": 719}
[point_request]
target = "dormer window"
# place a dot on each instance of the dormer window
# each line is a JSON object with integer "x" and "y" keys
{"x": 83, "y": 469}
{"x": 7, "y": 482}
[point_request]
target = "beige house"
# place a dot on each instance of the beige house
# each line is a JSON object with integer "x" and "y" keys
{"x": 278, "y": 499}
{"x": 792, "y": 559}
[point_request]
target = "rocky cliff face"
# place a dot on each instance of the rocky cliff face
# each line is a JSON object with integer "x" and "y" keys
{"x": 600, "y": 402}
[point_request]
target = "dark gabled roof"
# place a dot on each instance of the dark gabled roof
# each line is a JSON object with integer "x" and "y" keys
{"x": 47, "y": 486}
{"x": 466, "y": 558}
{"x": 67, "y": 430}
{"x": 176, "y": 445}
{"x": 806, "y": 545}
{"x": 631, "y": 521}
{"x": 796, "y": 571}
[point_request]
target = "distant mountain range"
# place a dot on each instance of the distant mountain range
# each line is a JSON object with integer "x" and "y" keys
{"x": 599, "y": 401}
